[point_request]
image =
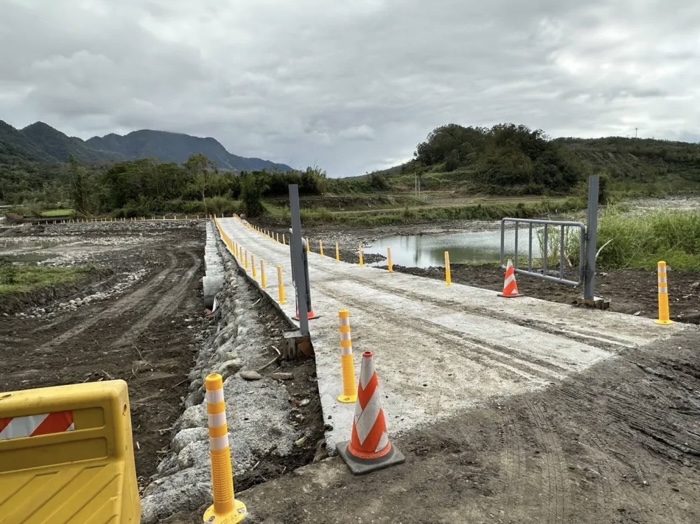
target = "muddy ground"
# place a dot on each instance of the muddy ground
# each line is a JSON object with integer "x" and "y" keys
{"x": 139, "y": 316}
{"x": 145, "y": 334}
{"x": 617, "y": 444}
{"x": 629, "y": 291}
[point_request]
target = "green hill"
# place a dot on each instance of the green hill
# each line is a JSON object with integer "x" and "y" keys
{"x": 514, "y": 160}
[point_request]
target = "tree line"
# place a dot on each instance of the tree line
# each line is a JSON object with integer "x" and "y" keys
{"x": 145, "y": 187}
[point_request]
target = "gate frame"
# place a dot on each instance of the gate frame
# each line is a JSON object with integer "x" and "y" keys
{"x": 589, "y": 242}
{"x": 562, "y": 224}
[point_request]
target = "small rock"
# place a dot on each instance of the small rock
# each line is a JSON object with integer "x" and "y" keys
{"x": 304, "y": 402}
{"x": 321, "y": 451}
{"x": 282, "y": 376}
{"x": 250, "y": 375}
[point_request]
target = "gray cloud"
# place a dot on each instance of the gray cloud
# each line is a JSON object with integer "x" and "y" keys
{"x": 350, "y": 86}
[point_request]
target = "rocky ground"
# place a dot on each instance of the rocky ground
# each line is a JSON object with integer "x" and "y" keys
{"x": 140, "y": 317}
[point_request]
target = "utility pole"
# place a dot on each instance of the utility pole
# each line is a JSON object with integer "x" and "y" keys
{"x": 635, "y": 133}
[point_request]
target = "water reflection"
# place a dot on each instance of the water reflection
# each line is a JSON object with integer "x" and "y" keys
{"x": 481, "y": 247}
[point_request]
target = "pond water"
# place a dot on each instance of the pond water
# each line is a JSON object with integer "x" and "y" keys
{"x": 479, "y": 247}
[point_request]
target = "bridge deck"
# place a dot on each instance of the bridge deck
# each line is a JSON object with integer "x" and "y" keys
{"x": 440, "y": 349}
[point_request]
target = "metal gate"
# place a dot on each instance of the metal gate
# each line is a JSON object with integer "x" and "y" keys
{"x": 587, "y": 237}
{"x": 546, "y": 231}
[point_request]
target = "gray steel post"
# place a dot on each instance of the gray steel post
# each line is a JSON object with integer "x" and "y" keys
{"x": 296, "y": 251}
{"x": 591, "y": 238}
{"x": 307, "y": 280}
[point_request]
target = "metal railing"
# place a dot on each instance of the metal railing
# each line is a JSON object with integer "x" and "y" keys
{"x": 534, "y": 227}
{"x": 587, "y": 244}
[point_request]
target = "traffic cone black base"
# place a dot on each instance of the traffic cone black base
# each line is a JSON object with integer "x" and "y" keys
{"x": 360, "y": 466}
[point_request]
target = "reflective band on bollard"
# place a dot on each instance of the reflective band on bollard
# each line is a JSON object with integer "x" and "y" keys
{"x": 664, "y": 310}
{"x": 226, "y": 509}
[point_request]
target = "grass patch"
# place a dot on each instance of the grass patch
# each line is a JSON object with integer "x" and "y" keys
{"x": 407, "y": 215}
{"x": 21, "y": 279}
{"x": 641, "y": 241}
{"x": 50, "y": 213}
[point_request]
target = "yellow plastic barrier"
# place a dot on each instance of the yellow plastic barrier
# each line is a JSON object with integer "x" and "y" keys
{"x": 66, "y": 456}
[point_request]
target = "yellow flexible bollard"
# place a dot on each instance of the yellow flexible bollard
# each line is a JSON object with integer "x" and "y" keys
{"x": 226, "y": 509}
{"x": 337, "y": 253}
{"x": 664, "y": 310}
{"x": 320, "y": 247}
{"x": 448, "y": 271}
{"x": 308, "y": 245}
{"x": 263, "y": 277}
{"x": 284, "y": 240}
{"x": 362, "y": 256}
{"x": 280, "y": 286}
{"x": 346, "y": 359}
{"x": 252, "y": 263}
{"x": 389, "y": 261}
{"x": 245, "y": 259}
{"x": 277, "y": 237}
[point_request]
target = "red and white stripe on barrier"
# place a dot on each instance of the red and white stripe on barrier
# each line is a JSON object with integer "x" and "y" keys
{"x": 36, "y": 425}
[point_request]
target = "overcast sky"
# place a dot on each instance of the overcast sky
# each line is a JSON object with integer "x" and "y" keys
{"x": 352, "y": 85}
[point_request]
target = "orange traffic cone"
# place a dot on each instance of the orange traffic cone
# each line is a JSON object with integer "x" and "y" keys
{"x": 369, "y": 448}
{"x": 311, "y": 315}
{"x": 510, "y": 286}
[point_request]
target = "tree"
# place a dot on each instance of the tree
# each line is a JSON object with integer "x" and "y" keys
{"x": 251, "y": 195}
{"x": 202, "y": 169}
{"x": 80, "y": 191}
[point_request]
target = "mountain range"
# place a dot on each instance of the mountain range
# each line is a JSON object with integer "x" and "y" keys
{"x": 39, "y": 142}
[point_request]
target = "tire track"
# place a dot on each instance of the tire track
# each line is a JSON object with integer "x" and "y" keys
{"x": 164, "y": 306}
{"x": 557, "y": 491}
{"x": 118, "y": 308}
{"x": 489, "y": 355}
{"x": 583, "y": 336}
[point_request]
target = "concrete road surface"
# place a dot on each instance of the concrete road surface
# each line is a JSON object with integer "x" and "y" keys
{"x": 440, "y": 350}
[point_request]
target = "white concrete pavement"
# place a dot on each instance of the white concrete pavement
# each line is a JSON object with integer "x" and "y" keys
{"x": 438, "y": 349}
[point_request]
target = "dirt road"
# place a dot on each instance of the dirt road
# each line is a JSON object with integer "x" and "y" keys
{"x": 144, "y": 335}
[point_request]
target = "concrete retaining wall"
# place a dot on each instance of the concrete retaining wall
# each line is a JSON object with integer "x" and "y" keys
{"x": 213, "y": 278}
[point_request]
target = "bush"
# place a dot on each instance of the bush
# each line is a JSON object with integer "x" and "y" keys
{"x": 222, "y": 205}
{"x": 633, "y": 241}
{"x": 8, "y": 272}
